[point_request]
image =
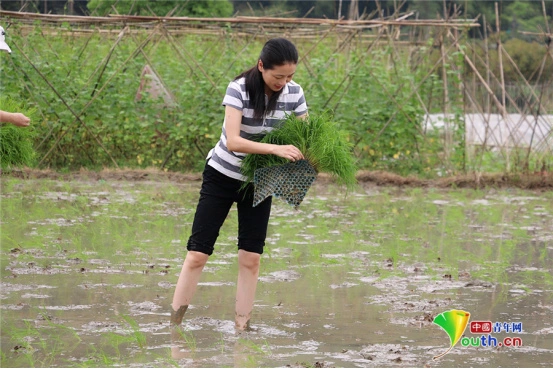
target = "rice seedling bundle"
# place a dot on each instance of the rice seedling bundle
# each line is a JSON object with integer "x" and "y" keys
{"x": 324, "y": 146}
{"x": 16, "y": 143}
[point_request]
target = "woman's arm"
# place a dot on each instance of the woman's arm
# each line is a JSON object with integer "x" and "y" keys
{"x": 17, "y": 119}
{"x": 233, "y": 120}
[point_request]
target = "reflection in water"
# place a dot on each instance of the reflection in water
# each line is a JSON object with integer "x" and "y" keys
{"x": 346, "y": 281}
{"x": 183, "y": 344}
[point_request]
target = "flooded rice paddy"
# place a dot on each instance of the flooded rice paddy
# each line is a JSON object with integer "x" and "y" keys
{"x": 348, "y": 280}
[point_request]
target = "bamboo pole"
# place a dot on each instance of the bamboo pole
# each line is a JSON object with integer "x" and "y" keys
{"x": 488, "y": 103}
{"x": 415, "y": 89}
{"x": 482, "y": 80}
{"x": 26, "y": 83}
{"x": 501, "y": 76}
{"x": 348, "y": 76}
{"x": 516, "y": 127}
{"x": 126, "y": 19}
{"x": 482, "y": 112}
{"x": 447, "y": 133}
{"x": 77, "y": 117}
{"x": 511, "y": 101}
{"x": 237, "y": 56}
{"x": 461, "y": 87}
{"x": 536, "y": 116}
{"x": 496, "y": 79}
{"x": 304, "y": 59}
{"x": 154, "y": 70}
{"x": 539, "y": 99}
{"x": 93, "y": 99}
{"x": 487, "y": 55}
{"x": 107, "y": 58}
{"x": 500, "y": 56}
{"x": 187, "y": 57}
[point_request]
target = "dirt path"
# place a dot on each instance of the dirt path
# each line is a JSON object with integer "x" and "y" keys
{"x": 538, "y": 181}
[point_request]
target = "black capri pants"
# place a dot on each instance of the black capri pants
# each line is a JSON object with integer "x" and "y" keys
{"x": 217, "y": 194}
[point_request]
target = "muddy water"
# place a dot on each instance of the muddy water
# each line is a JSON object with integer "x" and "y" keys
{"x": 88, "y": 271}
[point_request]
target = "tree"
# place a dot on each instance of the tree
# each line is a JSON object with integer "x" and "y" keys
{"x": 190, "y": 8}
{"x": 314, "y": 8}
{"x": 70, "y": 7}
{"x": 522, "y": 16}
{"x": 207, "y": 8}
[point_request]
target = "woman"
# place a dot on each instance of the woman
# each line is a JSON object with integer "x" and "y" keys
{"x": 17, "y": 119}
{"x": 254, "y": 102}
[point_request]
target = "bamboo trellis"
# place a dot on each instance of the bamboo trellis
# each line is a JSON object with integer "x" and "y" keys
{"x": 492, "y": 116}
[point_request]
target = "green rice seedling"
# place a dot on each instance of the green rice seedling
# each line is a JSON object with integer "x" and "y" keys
{"x": 221, "y": 343}
{"x": 188, "y": 338}
{"x": 322, "y": 143}
{"x": 111, "y": 340}
{"x": 20, "y": 342}
{"x": 132, "y": 337}
{"x": 70, "y": 337}
{"x": 138, "y": 336}
{"x": 247, "y": 353}
{"x": 268, "y": 350}
{"x": 249, "y": 344}
{"x": 16, "y": 143}
{"x": 96, "y": 359}
{"x": 36, "y": 346}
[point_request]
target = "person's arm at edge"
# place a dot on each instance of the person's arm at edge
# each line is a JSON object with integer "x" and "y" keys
{"x": 16, "y": 119}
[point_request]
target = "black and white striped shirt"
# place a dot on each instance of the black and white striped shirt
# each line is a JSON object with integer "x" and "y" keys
{"x": 291, "y": 100}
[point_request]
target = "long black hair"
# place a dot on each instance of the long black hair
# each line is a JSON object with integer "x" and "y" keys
{"x": 276, "y": 52}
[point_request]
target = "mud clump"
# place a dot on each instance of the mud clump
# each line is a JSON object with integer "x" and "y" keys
{"x": 317, "y": 364}
{"x": 133, "y": 175}
{"x": 541, "y": 180}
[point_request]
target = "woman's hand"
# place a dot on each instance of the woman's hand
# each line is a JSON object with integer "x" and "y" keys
{"x": 233, "y": 119}
{"x": 289, "y": 152}
{"x": 17, "y": 119}
{"x": 20, "y": 120}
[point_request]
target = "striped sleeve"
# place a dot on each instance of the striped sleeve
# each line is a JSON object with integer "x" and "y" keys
{"x": 297, "y": 97}
{"x": 234, "y": 96}
{"x": 301, "y": 107}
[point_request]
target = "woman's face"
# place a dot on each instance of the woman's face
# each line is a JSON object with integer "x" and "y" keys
{"x": 275, "y": 79}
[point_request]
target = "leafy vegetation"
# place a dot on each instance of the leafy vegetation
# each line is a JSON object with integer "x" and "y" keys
{"x": 320, "y": 140}
{"x": 84, "y": 91}
{"x": 191, "y": 8}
